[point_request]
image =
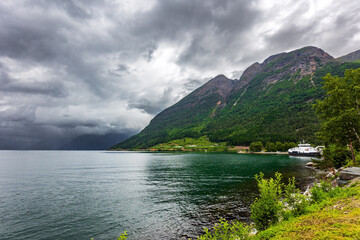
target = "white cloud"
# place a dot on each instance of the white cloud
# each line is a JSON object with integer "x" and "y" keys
{"x": 102, "y": 66}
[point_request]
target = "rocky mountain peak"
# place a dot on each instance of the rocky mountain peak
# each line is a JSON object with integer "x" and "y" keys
{"x": 302, "y": 62}
{"x": 267, "y": 103}
{"x": 249, "y": 74}
{"x": 272, "y": 58}
{"x": 219, "y": 84}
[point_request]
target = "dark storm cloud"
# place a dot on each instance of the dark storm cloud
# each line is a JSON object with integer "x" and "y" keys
{"x": 289, "y": 36}
{"x": 35, "y": 39}
{"x": 69, "y": 68}
{"x": 13, "y": 86}
{"x": 196, "y": 22}
{"x": 171, "y": 19}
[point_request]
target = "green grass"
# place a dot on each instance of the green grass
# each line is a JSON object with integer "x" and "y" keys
{"x": 191, "y": 144}
{"x": 337, "y": 216}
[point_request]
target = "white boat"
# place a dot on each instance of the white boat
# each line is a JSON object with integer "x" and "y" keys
{"x": 305, "y": 149}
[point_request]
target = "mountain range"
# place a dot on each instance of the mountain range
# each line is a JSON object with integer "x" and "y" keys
{"x": 271, "y": 101}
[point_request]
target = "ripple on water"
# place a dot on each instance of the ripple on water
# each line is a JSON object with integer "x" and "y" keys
{"x": 79, "y": 195}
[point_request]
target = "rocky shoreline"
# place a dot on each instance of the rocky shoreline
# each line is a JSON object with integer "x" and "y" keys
{"x": 338, "y": 177}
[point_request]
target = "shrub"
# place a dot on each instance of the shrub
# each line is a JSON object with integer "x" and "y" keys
{"x": 123, "y": 236}
{"x": 295, "y": 201}
{"x": 320, "y": 192}
{"x": 357, "y": 159}
{"x": 265, "y": 211}
{"x": 276, "y": 201}
{"x": 225, "y": 230}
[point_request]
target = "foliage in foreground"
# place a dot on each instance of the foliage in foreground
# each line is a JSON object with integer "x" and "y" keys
{"x": 335, "y": 215}
{"x": 225, "y": 230}
{"x": 331, "y": 213}
{"x": 123, "y": 236}
{"x": 276, "y": 201}
{"x": 339, "y": 112}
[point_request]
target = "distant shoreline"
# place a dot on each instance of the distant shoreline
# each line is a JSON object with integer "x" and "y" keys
{"x": 265, "y": 153}
{"x": 200, "y": 151}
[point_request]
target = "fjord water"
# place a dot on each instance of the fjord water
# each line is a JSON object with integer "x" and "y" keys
{"x": 85, "y": 194}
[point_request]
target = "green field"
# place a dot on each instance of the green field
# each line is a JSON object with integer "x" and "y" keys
{"x": 201, "y": 144}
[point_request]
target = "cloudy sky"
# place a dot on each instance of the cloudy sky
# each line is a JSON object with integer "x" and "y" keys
{"x": 72, "y": 67}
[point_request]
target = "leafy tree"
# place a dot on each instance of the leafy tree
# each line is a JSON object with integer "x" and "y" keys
{"x": 265, "y": 211}
{"x": 340, "y": 110}
{"x": 335, "y": 155}
{"x": 270, "y": 147}
{"x": 256, "y": 147}
{"x": 288, "y": 145}
{"x": 279, "y": 146}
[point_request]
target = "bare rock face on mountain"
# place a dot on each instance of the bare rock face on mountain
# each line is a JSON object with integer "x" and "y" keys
{"x": 220, "y": 85}
{"x": 272, "y": 101}
{"x": 301, "y": 62}
{"x": 249, "y": 74}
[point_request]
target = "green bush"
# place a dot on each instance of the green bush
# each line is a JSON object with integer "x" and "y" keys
{"x": 321, "y": 192}
{"x": 357, "y": 159}
{"x": 256, "y": 147}
{"x": 225, "y": 230}
{"x": 265, "y": 211}
{"x": 295, "y": 201}
{"x": 123, "y": 236}
{"x": 276, "y": 201}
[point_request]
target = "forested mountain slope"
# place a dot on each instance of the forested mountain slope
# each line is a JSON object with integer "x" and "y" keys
{"x": 187, "y": 117}
{"x": 272, "y": 101}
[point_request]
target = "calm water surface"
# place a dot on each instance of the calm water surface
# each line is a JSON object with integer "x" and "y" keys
{"x": 84, "y": 194}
